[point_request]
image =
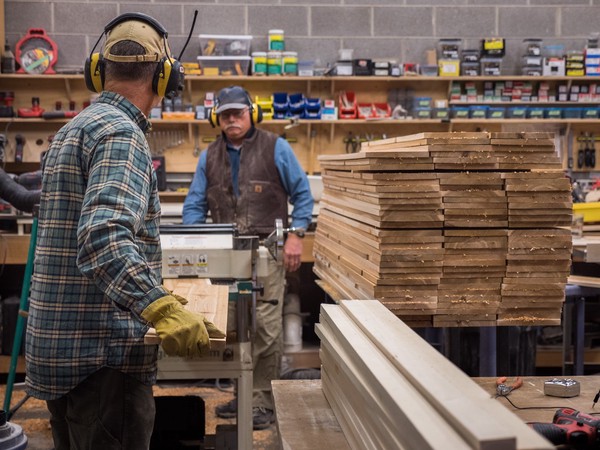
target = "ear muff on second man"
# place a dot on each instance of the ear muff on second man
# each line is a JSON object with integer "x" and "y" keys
{"x": 152, "y": 36}
{"x": 234, "y": 97}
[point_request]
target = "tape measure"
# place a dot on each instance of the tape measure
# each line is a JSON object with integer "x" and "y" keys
{"x": 36, "y": 53}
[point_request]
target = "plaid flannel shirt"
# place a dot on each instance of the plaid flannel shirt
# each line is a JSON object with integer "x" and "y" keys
{"x": 98, "y": 255}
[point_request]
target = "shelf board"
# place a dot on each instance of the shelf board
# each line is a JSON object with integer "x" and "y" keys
{"x": 285, "y": 78}
{"x": 386, "y": 121}
{"x": 519, "y": 103}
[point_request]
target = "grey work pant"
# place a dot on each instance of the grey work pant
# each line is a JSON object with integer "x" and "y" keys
{"x": 109, "y": 410}
{"x": 267, "y": 346}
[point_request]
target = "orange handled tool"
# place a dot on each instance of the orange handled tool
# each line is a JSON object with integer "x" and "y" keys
{"x": 503, "y": 389}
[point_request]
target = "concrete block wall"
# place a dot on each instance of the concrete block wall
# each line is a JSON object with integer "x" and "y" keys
{"x": 318, "y": 29}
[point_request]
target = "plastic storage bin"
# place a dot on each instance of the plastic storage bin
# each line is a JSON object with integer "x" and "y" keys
{"x": 422, "y": 102}
{"x": 224, "y": 65}
{"x": 459, "y": 112}
{"x": 347, "y": 105}
{"x": 296, "y": 104}
{"x": 516, "y": 112}
{"x": 440, "y": 113}
{"x": 590, "y": 113}
{"x": 535, "y": 112}
{"x": 422, "y": 113}
{"x": 381, "y": 110}
{"x": 572, "y": 113}
{"x": 365, "y": 110}
{"x": 590, "y": 211}
{"x": 496, "y": 113}
{"x": 225, "y": 45}
{"x": 478, "y": 112}
{"x": 553, "y": 113}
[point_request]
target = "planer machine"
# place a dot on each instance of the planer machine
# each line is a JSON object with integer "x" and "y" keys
{"x": 219, "y": 253}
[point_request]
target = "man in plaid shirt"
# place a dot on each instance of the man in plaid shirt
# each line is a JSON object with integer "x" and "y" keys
{"x": 96, "y": 287}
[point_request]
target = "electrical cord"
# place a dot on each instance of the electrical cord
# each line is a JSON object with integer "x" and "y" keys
{"x": 529, "y": 407}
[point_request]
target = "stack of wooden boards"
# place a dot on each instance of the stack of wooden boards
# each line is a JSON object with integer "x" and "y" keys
{"x": 449, "y": 229}
{"x": 389, "y": 388}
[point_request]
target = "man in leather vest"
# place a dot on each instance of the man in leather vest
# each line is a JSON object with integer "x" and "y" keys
{"x": 246, "y": 177}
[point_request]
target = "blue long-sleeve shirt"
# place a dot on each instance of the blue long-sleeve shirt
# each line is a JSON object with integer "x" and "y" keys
{"x": 293, "y": 179}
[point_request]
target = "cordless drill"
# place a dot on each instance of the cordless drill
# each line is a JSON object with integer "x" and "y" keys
{"x": 571, "y": 427}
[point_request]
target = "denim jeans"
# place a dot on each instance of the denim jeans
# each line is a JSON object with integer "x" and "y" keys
{"x": 109, "y": 410}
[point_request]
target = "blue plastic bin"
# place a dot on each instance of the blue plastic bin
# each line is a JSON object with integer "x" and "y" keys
{"x": 496, "y": 112}
{"x": 516, "y": 112}
{"x": 572, "y": 113}
{"x": 478, "y": 111}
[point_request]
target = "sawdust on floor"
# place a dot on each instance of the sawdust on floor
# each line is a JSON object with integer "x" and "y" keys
{"x": 34, "y": 417}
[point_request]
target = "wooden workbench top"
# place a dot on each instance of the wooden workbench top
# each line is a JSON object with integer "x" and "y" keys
{"x": 306, "y": 421}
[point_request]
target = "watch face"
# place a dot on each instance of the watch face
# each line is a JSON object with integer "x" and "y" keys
{"x": 35, "y": 60}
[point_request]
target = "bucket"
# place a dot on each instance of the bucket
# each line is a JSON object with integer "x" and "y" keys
{"x": 259, "y": 63}
{"x": 292, "y": 324}
{"x": 274, "y": 63}
{"x": 290, "y": 63}
{"x": 292, "y": 333}
{"x": 276, "y": 40}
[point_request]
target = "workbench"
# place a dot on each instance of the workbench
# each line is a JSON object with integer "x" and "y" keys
{"x": 306, "y": 421}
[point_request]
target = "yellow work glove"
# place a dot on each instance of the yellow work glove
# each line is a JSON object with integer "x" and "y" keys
{"x": 179, "y": 298}
{"x": 182, "y": 332}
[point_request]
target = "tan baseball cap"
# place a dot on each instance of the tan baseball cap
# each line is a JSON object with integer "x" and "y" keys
{"x": 154, "y": 44}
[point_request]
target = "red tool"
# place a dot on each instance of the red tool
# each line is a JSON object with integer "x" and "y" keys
{"x": 503, "y": 389}
{"x": 34, "y": 111}
{"x": 59, "y": 114}
{"x": 571, "y": 427}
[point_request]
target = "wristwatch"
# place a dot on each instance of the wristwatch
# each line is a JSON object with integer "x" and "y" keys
{"x": 298, "y": 232}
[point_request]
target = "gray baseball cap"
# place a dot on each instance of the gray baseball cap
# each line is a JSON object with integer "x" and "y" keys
{"x": 232, "y": 97}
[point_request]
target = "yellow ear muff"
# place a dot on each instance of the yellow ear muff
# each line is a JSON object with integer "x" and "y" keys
{"x": 162, "y": 77}
{"x": 94, "y": 72}
{"x": 213, "y": 118}
{"x": 257, "y": 114}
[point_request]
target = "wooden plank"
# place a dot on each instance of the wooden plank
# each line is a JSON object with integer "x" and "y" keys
{"x": 210, "y": 300}
{"x": 305, "y": 420}
{"x": 478, "y": 418}
{"x": 579, "y": 280}
{"x": 393, "y": 393}
{"x": 14, "y": 248}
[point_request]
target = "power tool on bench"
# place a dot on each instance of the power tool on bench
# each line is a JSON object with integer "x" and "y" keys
{"x": 571, "y": 427}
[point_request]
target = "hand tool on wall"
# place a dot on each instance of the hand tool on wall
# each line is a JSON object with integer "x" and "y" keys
{"x": 59, "y": 115}
{"x": 503, "y": 389}
{"x": 588, "y": 150}
{"x": 580, "y": 152}
{"x": 570, "y": 149}
{"x": 197, "y": 148}
{"x": 572, "y": 428}
{"x": 592, "y": 151}
{"x": 2, "y": 148}
{"x": 19, "y": 149}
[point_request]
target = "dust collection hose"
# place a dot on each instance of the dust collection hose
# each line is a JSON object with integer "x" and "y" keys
{"x": 17, "y": 195}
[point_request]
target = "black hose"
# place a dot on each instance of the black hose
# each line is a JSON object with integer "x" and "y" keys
{"x": 17, "y": 195}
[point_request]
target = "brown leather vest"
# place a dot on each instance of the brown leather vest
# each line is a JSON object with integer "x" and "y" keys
{"x": 262, "y": 196}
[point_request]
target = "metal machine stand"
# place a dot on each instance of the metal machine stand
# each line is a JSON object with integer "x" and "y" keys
{"x": 235, "y": 362}
{"x": 235, "y": 260}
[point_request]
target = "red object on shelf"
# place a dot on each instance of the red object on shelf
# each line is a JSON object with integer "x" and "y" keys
{"x": 36, "y": 43}
{"x": 34, "y": 111}
{"x": 347, "y": 105}
{"x": 365, "y": 111}
{"x": 381, "y": 110}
